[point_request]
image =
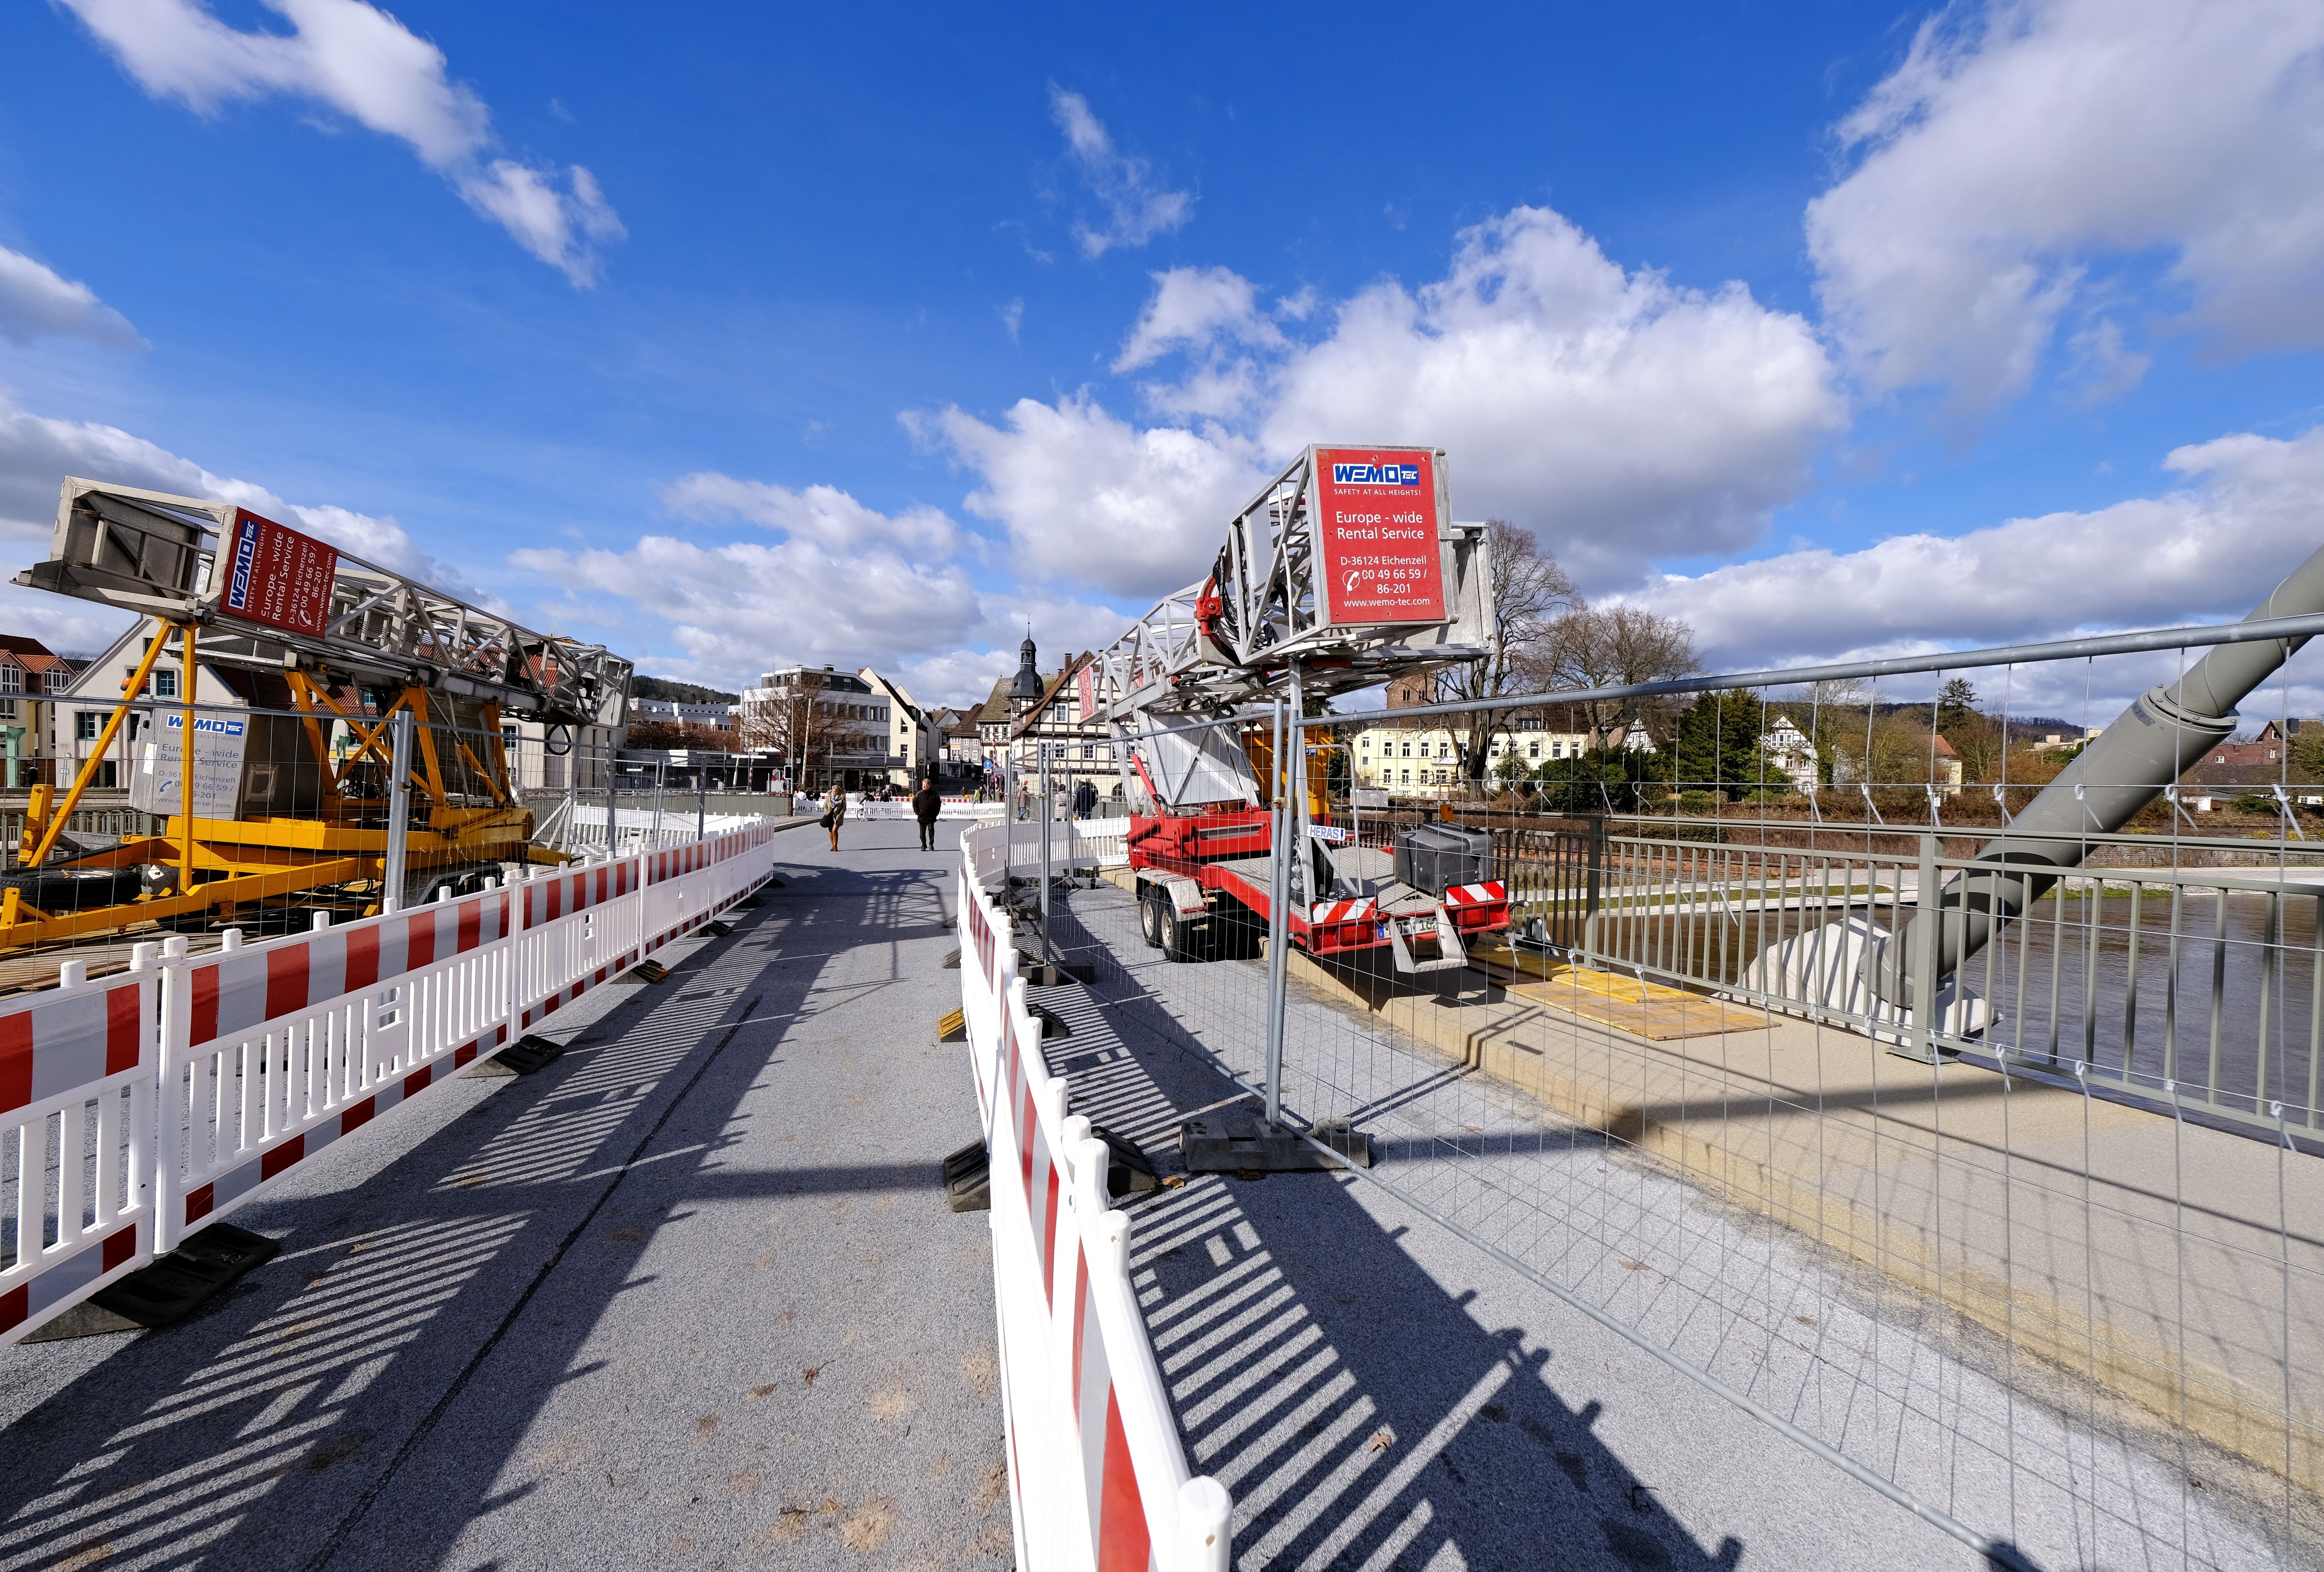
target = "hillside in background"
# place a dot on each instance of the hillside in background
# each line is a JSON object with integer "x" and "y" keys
{"x": 681, "y": 692}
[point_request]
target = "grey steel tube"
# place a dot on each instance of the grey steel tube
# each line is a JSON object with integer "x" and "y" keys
{"x": 2148, "y": 747}
{"x": 398, "y": 812}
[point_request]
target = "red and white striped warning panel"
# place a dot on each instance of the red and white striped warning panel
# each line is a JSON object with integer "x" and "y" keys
{"x": 1097, "y": 1477}
{"x": 274, "y": 1051}
{"x": 60, "y": 1052}
{"x": 1484, "y": 894}
{"x": 1327, "y": 913}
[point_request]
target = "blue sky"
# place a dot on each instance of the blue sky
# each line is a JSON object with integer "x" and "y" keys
{"x": 735, "y": 337}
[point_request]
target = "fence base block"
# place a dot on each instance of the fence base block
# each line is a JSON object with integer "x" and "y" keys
{"x": 1245, "y": 1143}
{"x": 522, "y": 1057}
{"x": 85, "y": 1320}
{"x": 645, "y": 972}
{"x": 968, "y": 1179}
{"x": 183, "y": 1281}
{"x": 952, "y": 960}
{"x": 952, "y": 1027}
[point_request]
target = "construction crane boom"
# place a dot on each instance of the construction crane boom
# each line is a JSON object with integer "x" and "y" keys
{"x": 268, "y": 596}
{"x": 1344, "y": 572}
{"x": 1346, "y": 564}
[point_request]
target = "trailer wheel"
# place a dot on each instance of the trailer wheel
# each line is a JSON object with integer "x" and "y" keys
{"x": 1152, "y": 914}
{"x": 1181, "y": 939}
{"x": 61, "y": 890}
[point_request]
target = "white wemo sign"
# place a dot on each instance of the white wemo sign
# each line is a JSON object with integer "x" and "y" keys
{"x": 218, "y": 744}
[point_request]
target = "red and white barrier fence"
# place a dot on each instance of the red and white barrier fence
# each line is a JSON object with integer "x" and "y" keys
{"x": 140, "y": 1108}
{"x": 1097, "y": 1477}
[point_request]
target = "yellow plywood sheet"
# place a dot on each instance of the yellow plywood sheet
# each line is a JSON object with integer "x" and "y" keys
{"x": 1643, "y": 1009}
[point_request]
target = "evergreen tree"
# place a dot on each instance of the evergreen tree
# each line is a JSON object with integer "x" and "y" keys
{"x": 1956, "y": 705}
{"x": 1720, "y": 745}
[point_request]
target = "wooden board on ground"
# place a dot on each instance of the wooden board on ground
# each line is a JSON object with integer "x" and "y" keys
{"x": 1643, "y": 1009}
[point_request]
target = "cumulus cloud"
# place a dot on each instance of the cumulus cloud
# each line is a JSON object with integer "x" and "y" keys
{"x": 2209, "y": 549}
{"x": 2027, "y": 146}
{"x": 1619, "y": 416}
{"x": 1193, "y": 308}
{"x": 1137, "y": 207}
{"x": 1088, "y": 498}
{"x": 356, "y": 60}
{"x": 847, "y": 587}
{"x": 823, "y": 516}
{"x": 36, "y": 303}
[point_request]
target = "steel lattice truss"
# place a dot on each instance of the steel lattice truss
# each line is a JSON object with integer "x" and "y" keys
{"x": 1233, "y": 636}
{"x": 150, "y": 553}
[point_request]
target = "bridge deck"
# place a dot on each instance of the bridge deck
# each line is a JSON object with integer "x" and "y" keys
{"x": 688, "y": 1297}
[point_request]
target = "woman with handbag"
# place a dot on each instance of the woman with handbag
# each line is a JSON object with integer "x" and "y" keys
{"x": 834, "y": 813}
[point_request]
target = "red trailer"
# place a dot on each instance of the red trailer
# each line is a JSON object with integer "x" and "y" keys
{"x": 1205, "y": 884}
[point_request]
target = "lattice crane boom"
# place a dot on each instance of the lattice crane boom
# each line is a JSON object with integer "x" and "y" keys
{"x": 166, "y": 556}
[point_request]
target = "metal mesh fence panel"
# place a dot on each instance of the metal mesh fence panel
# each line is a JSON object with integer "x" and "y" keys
{"x": 2005, "y": 1201}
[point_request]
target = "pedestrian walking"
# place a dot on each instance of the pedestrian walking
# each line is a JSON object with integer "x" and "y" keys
{"x": 926, "y": 804}
{"x": 1085, "y": 799}
{"x": 834, "y": 813}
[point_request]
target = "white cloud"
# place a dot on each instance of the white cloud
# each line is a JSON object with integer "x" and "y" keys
{"x": 1137, "y": 207}
{"x": 824, "y": 515}
{"x": 1012, "y": 317}
{"x": 36, "y": 302}
{"x": 1193, "y": 308}
{"x": 2025, "y": 145}
{"x": 363, "y": 63}
{"x": 2210, "y": 549}
{"x": 1619, "y": 416}
{"x": 1087, "y": 499}
{"x": 848, "y": 588}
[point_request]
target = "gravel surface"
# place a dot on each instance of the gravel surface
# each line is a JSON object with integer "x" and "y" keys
{"x": 690, "y": 1296}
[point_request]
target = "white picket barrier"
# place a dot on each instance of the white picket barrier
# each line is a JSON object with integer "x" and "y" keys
{"x": 1097, "y": 1477}
{"x": 84, "y": 1055}
{"x": 145, "y": 1106}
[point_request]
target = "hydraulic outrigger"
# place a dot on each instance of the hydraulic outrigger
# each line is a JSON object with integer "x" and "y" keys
{"x": 364, "y": 649}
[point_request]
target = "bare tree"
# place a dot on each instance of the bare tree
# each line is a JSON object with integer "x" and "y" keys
{"x": 1529, "y": 592}
{"x": 798, "y": 724}
{"x": 1616, "y": 646}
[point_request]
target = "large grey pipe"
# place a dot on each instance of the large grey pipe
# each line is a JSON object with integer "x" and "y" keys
{"x": 2166, "y": 731}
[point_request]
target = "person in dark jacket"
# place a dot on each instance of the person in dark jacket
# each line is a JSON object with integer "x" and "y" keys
{"x": 924, "y": 806}
{"x": 1085, "y": 799}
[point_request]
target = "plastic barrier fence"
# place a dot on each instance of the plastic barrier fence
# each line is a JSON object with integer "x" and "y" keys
{"x": 140, "y": 1108}
{"x": 1096, "y": 1474}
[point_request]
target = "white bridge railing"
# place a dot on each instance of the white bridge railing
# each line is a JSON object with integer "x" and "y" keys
{"x": 139, "y": 1108}
{"x": 1097, "y": 1475}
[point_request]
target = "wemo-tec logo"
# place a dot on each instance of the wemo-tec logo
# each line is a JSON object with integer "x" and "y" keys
{"x": 1376, "y": 475}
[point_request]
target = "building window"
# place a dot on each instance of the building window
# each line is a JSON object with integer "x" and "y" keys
{"x": 12, "y": 679}
{"x": 1532, "y": 750}
{"x": 165, "y": 684}
{"x": 87, "y": 723}
{"x": 1407, "y": 753}
{"x": 7, "y": 709}
{"x": 1408, "y": 778}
